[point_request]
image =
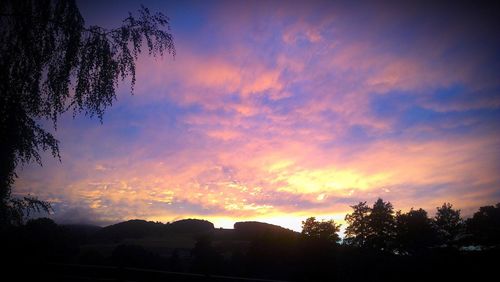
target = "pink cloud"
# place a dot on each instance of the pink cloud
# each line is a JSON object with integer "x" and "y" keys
{"x": 271, "y": 136}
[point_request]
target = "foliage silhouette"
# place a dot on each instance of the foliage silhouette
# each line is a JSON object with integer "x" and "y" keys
{"x": 485, "y": 226}
{"x": 358, "y": 228}
{"x": 318, "y": 248}
{"x": 17, "y": 210}
{"x": 414, "y": 232}
{"x": 264, "y": 251}
{"x": 382, "y": 226}
{"x": 448, "y": 223}
{"x": 70, "y": 68}
{"x": 371, "y": 227}
{"x": 321, "y": 230}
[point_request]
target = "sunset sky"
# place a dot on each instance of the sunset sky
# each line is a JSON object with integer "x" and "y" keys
{"x": 277, "y": 111}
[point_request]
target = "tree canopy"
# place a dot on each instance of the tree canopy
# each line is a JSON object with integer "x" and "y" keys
{"x": 325, "y": 230}
{"x": 414, "y": 231}
{"x": 382, "y": 225}
{"x": 52, "y": 63}
{"x": 358, "y": 230}
{"x": 448, "y": 222}
{"x": 484, "y": 225}
{"x": 371, "y": 227}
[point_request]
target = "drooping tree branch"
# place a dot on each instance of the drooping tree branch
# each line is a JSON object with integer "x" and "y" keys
{"x": 51, "y": 63}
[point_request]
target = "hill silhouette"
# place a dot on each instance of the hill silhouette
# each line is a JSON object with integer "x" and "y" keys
{"x": 190, "y": 226}
{"x": 417, "y": 248}
{"x": 193, "y": 228}
{"x": 139, "y": 229}
{"x": 131, "y": 229}
{"x": 255, "y": 229}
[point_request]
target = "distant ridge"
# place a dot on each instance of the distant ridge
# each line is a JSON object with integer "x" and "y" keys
{"x": 131, "y": 229}
{"x": 252, "y": 229}
{"x": 190, "y": 226}
{"x": 138, "y": 228}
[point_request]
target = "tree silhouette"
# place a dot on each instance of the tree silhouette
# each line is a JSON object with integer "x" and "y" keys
{"x": 371, "y": 227}
{"x": 485, "y": 225}
{"x": 51, "y": 63}
{"x": 382, "y": 225}
{"x": 358, "y": 230}
{"x": 321, "y": 230}
{"x": 19, "y": 209}
{"x": 415, "y": 231}
{"x": 318, "y": 248}
{"x": 448, "y": 223}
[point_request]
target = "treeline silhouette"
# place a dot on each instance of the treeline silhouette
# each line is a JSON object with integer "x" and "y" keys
{"x": 380, "y": 244}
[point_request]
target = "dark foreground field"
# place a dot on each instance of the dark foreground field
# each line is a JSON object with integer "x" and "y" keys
{"x": 193, "y": 250}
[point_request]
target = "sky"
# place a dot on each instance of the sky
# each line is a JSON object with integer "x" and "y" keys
{"x": 279, "y": 110}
